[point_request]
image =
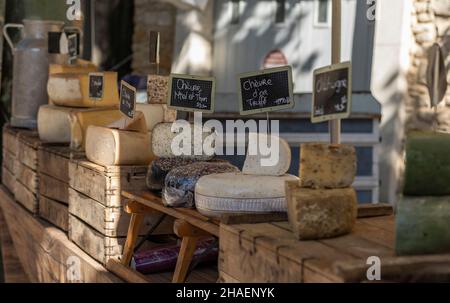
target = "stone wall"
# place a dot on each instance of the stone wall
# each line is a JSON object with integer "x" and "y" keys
{"x": 157, "y": 16}
{"x": 430, "y": 24}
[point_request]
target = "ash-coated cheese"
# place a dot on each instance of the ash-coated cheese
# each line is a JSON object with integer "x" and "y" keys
{"x": 54, "y": 124}
{"x": 156, "y": 114}
{"x": 82, "y": 66}
{"x": 190, "y": 147}
{"x": 327, "y": 165}
{"x": 73, "y": 90}
{"x": 321, "y": 213}
{"x": 267, "y": 155}
{"x": 80, "y": 121}
{"x": 236, "y": 193}
{"x": 113, "y": 147}
{"x": 158, "y": 89}
{"x": 427, "y": 171}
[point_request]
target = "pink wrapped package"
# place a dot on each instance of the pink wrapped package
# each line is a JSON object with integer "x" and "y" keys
{"x": 164, "y": 258}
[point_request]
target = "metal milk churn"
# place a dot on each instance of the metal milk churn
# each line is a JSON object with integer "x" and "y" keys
{"x": 30, "y": 71}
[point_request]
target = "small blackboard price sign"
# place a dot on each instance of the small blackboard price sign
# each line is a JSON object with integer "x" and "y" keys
{"x": 266, "y": 91}
{"x": 73, "y": 47}
{"x": 127, "y": 99}
{"x": 192, "y": 93}
{"x": 96, "y": 86}
{"x": 332, "y": 92}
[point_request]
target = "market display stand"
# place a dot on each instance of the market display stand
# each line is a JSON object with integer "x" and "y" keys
{"x": 44, "y": 250}
{"x": 269, "y": 252}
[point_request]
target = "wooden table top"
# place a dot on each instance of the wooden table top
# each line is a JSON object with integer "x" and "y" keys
{"x": 341, "y": 259}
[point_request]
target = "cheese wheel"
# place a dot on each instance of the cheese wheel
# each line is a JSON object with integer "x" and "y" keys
{"x": 54, "y": 124}
{"x": 320, "y": 213}
{"x": 163, "y": 137}
{"x": 259, "y": 162}
{"x": 236, "y": 193}
{"x": 81, "y": 120}
{"x": 113, "y": 147}
{"x": 327, "y": 166}
{"x": 427, "y": 170}
{"x": 82, "y": 66}
{"x": 158, "y": 89}
{"x": 422, "y": 225}
{"x": 72, "y": 89}
{"x": 137, "y": 124}
{"x": 156, "y": 114}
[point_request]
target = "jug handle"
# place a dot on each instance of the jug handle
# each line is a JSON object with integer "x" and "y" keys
{"x": 7, "y": 37}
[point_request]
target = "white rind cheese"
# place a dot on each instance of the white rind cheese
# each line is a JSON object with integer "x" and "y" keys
{"x": 327, "y": 165}
{"x": 236, "y": 193}
{"x": 54, "y": 124}
{"x": 163, "y": 137}
{"x": 73, "y": 90}
{"x": 156, "y": 114}
{"x": 112, "y": 147}
{"x": 257, "y": 163}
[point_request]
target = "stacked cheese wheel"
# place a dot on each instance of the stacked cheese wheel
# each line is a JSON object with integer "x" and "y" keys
{"x": 323, "y": 204}
{"x": 259, "y": 189}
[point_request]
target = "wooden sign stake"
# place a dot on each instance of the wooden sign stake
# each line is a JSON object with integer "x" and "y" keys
{"x": 436, "y": 89}
{"x": 335, "y": 125}
{"x": 155, "y": 45}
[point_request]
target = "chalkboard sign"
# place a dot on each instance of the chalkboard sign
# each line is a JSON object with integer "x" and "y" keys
{"x": 73, "y": 47}
{"x": 266, "y": 91}
{"x": 96, "y": 84}
{"x": 127, "y": 99}
{"x": 54, "y": 42}
{"x": 192, "y": 93}
{"x": 332, "y": 92}
{"x": 154, "y": 47}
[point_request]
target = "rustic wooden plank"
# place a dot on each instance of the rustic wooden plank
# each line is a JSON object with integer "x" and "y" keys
{"x": 45, "y": 249}
{"x": 53, "y": 189}
{"x": 267, "y": 253}
{"x": 9, "y": 160}
{"x": 27, "y": 176}
{"x": 8, "y": 180}
{"x": 111, "y": 221}
{"x": 190, "y": 216}
{"x": 414, "y": 269}
{"x": 382, "y": 223}
{"x": 253, "y": 218}
{"x": 26, "y": 198}
{"x": 54, "y": 161}
{"x": 375, "y": 210}
{"x": 126, "y": 273}
{"x": 13, "y": 270}
{"x": 98, "y": 246}
{"x": 28, "y": 149}
{"x": 10, "y": 140}
{"x": 105, "y": 184}
{"x": 54, "y": 212}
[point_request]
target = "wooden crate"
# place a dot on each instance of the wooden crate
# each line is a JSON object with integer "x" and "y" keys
{"x": 54, "y": 161}
{"x": 105, "y": 184}
{"x": 45, "y": 252}
{"x": 28, "y": 147}
{"x": 109, "y": 221}
{"x": 8, "y": 179}
{"x": 98, "y": 246}
{"x": 26, "y": 198}
{"x": 54, "y": 212}
{"x": 270, "y": 253}
{"x": 9, "y": 160}
{"x": 10, "y": 139}
{"x": 54, "y": 189}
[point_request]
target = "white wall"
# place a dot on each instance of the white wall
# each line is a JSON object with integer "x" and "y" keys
{"x": 389, "y": 85}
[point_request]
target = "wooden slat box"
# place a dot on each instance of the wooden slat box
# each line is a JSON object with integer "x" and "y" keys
{"x": 97, "y": 218}
{"x": 10, "y": 140}
{"x": 8, "y": 180}
{"x": 26, "y": 170}
{"x": 54, "y": 183}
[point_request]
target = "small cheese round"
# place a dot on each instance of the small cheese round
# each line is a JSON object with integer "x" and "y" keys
{"x": 236, "y": 193}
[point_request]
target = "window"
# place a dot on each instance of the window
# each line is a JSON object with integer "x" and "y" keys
{"x": 235, "y": 11}
{"x": 280, "y": 13}
{"x": 322, "y": 13}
